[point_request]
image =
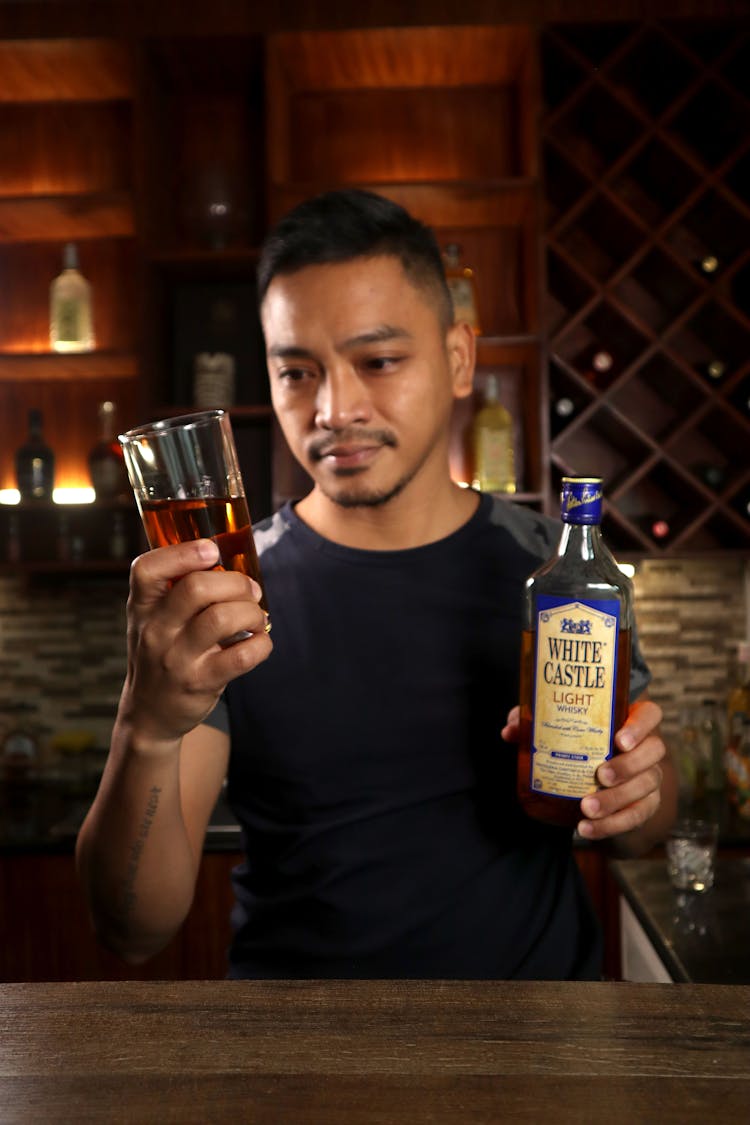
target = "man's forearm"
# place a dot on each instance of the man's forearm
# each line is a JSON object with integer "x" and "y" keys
{"x": 133, "y": 853}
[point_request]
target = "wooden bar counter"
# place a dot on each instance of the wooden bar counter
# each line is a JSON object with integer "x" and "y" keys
{"x": 356, "y": 1052}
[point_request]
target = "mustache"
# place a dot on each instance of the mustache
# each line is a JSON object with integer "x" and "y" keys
{"x": 322, "y": 446}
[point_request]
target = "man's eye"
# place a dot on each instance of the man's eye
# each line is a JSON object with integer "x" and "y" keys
{"x": 382, "y": 362}
{"x": 294, "y": 374}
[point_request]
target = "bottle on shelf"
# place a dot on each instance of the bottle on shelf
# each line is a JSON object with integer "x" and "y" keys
{"x": 575, "y": 662}
{"x": 712, "y": 739}
{"x": 738, "y": 770}
{"x": 35, "y": 463}
{"x": 13, "y": 544}
{"x": 106, "y": 461}
{"x": 463, "y": 287}
{"x": 118, "y": 539}
{"x": 492, "y": 443}
{"x": 738, "y": 699}
{"x": 213, "y": 380}
{"x": 71, "y": 327}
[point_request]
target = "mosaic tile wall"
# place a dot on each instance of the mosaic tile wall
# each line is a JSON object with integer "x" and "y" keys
{"x": 62, "y": 646}
{"x": 690, "y": 614}
{"x": 62, "y": 650}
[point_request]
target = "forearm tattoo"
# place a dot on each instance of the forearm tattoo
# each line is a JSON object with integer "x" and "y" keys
{"x": 129, "y": 895}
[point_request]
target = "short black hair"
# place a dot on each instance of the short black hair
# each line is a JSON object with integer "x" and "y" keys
{"x": 338, "y": 226}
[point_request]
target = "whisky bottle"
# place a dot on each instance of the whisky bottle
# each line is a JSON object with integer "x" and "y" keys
{"x": 35, "y": 463}
{"x": 106, "y": 460}
{"x": 463, "y": 287}
{"x": 492, "y": 444}
{"x": 575, "y": 662}
{"x": 70, "y": 318}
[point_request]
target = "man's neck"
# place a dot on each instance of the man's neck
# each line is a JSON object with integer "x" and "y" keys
{"x": 399, "y": 524}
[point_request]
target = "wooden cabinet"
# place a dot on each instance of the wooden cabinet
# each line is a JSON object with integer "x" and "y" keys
{"x": 647, "y": 207}
{"x": 45, "y": 933}
{"x": 65, "y": 150}
{"x": 442, "y": 120}
{"x": 609, "y": 234}
{"x": 201, "y": 190}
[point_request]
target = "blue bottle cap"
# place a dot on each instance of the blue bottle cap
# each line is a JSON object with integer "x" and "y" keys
{"x": 581, "y": 500}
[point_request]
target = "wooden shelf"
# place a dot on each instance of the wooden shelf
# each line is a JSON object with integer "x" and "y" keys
{"x": 648, "y": 331}
{"x": 258, "y": 413}
{"x": 45, "y": 538}
{"x": 65, "y": 218}
{"x": 49, "y": 366}
{"x": 504, "y": 201}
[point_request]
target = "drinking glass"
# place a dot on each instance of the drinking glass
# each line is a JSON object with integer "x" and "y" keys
{"x": 187, "y": 484}
{"x": 691, "y": 852}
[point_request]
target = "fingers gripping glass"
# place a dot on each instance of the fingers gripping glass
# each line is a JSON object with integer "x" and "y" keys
{"x": 187, "y": 484}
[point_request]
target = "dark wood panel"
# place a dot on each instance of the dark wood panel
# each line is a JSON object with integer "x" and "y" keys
{"x": 45, "y": 933}
{"x": 422, "y": 134}
{"x": 62, "y": 69}
{"x": 64, "y": 148}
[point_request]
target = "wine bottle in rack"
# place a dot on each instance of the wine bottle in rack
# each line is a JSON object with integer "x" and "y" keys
{"x": 563, "y": 412}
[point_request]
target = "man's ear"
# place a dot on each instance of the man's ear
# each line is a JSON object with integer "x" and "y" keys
{"x": 460, "y": 343}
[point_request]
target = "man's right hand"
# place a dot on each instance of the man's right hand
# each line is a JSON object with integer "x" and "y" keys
{"x": 179, "y": 612}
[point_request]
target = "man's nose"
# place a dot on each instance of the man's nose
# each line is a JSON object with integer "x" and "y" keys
{"x": 342, "y": 399}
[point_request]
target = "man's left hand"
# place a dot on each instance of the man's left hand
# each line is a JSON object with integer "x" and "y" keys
{"x": 631, "y": 780}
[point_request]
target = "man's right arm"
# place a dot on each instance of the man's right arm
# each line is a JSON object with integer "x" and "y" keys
{"x": 139, "y": 849}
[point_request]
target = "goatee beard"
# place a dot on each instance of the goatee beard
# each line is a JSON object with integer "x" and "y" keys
{"x": 364, "y": 497}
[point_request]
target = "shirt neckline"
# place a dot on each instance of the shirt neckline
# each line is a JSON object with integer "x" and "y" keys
{"x": 455, "y": 539}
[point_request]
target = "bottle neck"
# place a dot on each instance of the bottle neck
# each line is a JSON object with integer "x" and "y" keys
{"x": 582, "y": 540}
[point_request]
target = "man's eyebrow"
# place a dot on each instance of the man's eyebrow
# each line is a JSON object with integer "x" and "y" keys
{"x": 288, "y": 351}
{"x": 382, "y": 334}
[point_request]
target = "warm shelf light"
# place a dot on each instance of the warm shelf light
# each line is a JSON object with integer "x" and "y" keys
{"x": 73, "y": 496}
{"x": 10, "y": 496}
{"x": 627, "y": 569}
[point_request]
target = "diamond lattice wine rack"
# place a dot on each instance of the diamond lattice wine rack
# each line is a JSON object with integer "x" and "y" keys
{"x": 647, "y": 199}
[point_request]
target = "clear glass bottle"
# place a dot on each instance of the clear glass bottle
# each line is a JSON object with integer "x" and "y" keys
{"x": 575, "y": 662}
{"x": 463, "y": 287}
{"x": 492, "y": 444}
{"x": 35, "y": 463}
{"x": 106, "y": 460}
{"x": 71, "y": 327}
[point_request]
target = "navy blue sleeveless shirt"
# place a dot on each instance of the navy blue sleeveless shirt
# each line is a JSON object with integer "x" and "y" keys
{"x": 376, "y": 798}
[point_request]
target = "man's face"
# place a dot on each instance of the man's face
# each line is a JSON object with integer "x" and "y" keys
{"x": 363, "y": 376}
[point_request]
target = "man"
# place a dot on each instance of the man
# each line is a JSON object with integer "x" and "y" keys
{"x": 362, "y": 748}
